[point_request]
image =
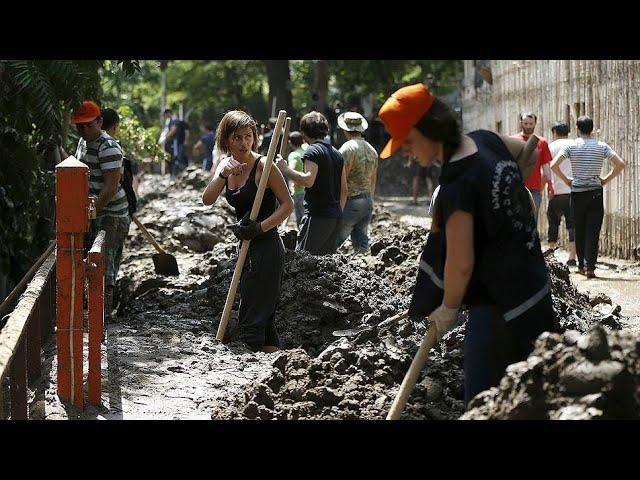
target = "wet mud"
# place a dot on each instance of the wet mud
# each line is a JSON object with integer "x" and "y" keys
{"x": 336, "y": 362}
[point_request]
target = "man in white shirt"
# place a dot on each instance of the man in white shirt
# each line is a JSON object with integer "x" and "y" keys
{"x": 560, "y": 199}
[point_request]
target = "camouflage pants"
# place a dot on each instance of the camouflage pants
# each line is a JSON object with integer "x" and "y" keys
{"x": 116, "y": 229}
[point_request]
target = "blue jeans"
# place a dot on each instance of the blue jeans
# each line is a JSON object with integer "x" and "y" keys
{"x": 178, "y": 162}
{"x": 355, "y": 221}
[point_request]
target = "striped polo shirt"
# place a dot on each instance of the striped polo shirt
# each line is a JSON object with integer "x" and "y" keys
{"x": 587, "y": 157}
{"x": 101, "y": 155}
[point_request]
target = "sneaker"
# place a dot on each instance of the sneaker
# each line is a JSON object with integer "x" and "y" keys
{"x": 591, "y": 274}
{"x": 571, "y": 263}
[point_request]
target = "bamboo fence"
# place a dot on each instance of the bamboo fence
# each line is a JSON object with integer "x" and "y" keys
{"x": 606, "y": 90}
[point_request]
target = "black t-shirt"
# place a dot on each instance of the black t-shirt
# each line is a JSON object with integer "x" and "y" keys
{"x": 323, "y": 198}
{"x": 182, "y": 127}
{"x": 509, "y": 266}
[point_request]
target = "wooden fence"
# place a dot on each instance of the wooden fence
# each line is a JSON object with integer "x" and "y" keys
{"x": 606, "y": 90}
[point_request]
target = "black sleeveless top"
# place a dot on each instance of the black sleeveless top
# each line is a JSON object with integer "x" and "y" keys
{"x": 242, "y": 198}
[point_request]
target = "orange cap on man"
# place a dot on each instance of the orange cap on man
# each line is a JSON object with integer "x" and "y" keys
{"x": 86, "y": 112}
{"x": 401, "y": 112}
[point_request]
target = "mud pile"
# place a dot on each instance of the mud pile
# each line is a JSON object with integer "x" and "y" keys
{"x": 569, "y": 377}
{"x": 338, "y": 362}
{"x": 319, "y": 296}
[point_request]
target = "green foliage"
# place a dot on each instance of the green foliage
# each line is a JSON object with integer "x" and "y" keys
{"x": 138, "y": 143}
{"x": 36, "y": 98}
{"x": 26, "y": 204}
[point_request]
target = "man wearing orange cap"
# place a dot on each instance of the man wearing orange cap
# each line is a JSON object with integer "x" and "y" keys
{"x": 483, "y": 250}
{"x": 103, "y": 156}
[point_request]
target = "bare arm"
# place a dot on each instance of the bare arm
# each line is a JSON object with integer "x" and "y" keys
{"x": 555, "y": 166}
{"x": 305, "y": 179}
{"x": 278, "y": 186}
{"x": 111, "y": 184}
{"x": 460, "y": 258}
{"x": 213, "y": 190}
{"x": 546, "y": 177}
{"x": 343, "y": 189}
{"x": 618, "y": 167}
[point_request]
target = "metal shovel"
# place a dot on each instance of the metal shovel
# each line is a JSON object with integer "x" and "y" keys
{"x": 164, "y": 263}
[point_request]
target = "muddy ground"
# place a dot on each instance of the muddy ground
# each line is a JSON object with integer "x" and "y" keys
{"x": 161, "y": 358}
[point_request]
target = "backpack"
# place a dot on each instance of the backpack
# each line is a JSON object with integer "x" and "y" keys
{"x": 126, "y": 180}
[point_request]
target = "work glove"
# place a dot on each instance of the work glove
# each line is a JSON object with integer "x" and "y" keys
{"x": 246, "y": 229}
{"x": 443, "y": 318}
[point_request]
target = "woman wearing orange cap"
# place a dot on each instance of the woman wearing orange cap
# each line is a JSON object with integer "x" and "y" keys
{"x": 483, "y": 251}
{"x": 238, "y": 174}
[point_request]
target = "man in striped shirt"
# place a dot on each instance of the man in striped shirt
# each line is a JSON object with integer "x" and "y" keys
{"x": 103, "y": 156}
{"x": 587, "y": 156}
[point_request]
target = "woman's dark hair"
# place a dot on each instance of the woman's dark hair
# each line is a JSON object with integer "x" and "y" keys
{"x": 440, "y": 124}
{"x": 109, "y": 118}
{"x": 314, "y": 125}
{"x": 232, "y": 121}
{"x": 585, "y": 124}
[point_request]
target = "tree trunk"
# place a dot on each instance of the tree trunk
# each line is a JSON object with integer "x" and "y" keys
{"x": 321, "y": 80}
{"x": 279, "y": 86}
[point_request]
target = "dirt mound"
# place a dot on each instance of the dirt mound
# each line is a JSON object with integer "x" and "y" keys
{"x": 357, "y": 378}
{"x": 570, "y": 377}
{"x": 338, "y": 362}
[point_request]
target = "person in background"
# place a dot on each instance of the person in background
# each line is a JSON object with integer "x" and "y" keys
{"x": 294, "y": 160}
{"x": 560, "y": 199}
{"x": 535, "y": 182}
{"x": 325, "y": 185}
{"x": 103, "y": 156}
{"x": 205, "y": 144}
{"x": 360, "y": 165}
{"x": 587, "y": 155}
{"x": 176, "y": 137}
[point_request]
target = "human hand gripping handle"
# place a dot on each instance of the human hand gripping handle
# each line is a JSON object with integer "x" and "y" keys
{"x": 246, "y": 229}
{"x": 444, "y": 318}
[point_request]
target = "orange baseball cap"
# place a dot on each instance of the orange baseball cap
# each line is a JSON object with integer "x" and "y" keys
{"x": 401, "y": 112}
{"x": 86, "y": 112}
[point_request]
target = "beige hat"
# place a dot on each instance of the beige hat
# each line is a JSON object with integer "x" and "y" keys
{"x": 352, "y": 122}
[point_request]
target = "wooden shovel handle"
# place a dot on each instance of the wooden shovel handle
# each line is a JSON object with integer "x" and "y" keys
{"x": 235, "y": 280}
{"x": 411, "y": 377}
{"x": 147, "y": 234}
{"x": 285, "y": 137}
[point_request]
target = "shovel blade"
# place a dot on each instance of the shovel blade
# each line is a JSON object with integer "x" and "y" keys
{"x": 165, "y": 264}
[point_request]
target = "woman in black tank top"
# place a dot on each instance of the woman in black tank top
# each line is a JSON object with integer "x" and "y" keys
{"x": 483, "y": 250}
{"x": 239, "y": 173}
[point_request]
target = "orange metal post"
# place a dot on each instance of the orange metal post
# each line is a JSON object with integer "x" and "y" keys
{"x": 72, "y": 221}
{"x": 95, "y": 275}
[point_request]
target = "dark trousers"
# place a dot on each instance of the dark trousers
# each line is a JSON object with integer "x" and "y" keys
{"x": 318, "y": 235}
{"x": 559, "y": 206}
{"x": 260, "y": 291}
{"x": 491, "y": 344}
{"x": 588, "y": 212}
